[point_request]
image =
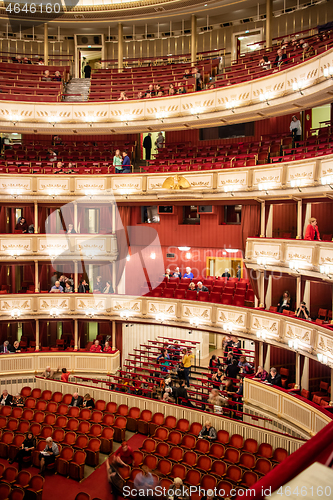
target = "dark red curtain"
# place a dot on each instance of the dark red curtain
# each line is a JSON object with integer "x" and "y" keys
{"x": 250, "y": 227}
{"x": 2, "y": 219}
{"x": 81, "y": 219}
{"x": 123, "y": 218}
{"x": 105, "y": 219}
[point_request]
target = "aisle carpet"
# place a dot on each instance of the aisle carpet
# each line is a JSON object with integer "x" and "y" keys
{"x": 57, "y": 487}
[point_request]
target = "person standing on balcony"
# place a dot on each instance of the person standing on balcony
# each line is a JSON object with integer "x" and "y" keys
{"x": 147, "y": 145}
{"x": 87, "y": 70}
{"x": 296, "y": 130}
{"x": 312, "y": 231}
{"x": 187, "y": 362}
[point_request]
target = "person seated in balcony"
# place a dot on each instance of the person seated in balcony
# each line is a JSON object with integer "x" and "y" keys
{"x": 274, "y": 377}
{"x": 230, "y": 358}
{"x": 57, "y": 288}
{"x": 99, "y": 287}
{"x": 107, "y": 348}
{"x": 6, "y": 398}
{"x": 245, "y": 365}
{"x": 296, "y": 130}
{"x": 191, "y": 286}
{"x": 171, "y": 90}
{"x": 217, "y": 377}
{"x": 187, "y": 74}
{"x": 216, "y": 399}
{"x": 178, "y": 490}
{"x": 48, "y": 455}
{"x": 26, "y": 60}
{"x": 108, "y": 287}
{"x": 140, "y": 95}
{"x": 302, "y": 312}
{"x": 214, "y": 362}
{"x": 160, "y": 93}
{"x": 76, "y": 400}
{"x": 16, "y": 346}
{"x": 201, "y": 287}
{"x": 71, "y": 229}
{"x": 17, "y": 401}
{"x": 312, "y": 231}
{"x": 52, "y": 155}
{"x": 159, "y": 143}
{"x": 28, "y": 446}
{"x": 229, "y": 387}
{"x": 22, "y": 225}
{"x": 150, "y": 91}
{"x": 181, "y": 89}
{"x": 208, "y": 431}
{"x": 226, "y": 274}
{"x": 233, "y": 369}
{"x": 126, "y": 163}
{"x": 285, "y": 302}
{"x": 83, "y": 287}
{"x": 57, "y": 77}
{"x": 167, "y": 274}
{"x": 261, "y": 374}
{"x": 88, "y": 401}
{"x": 40, "y": 61}
{"x": 148, "y": 95}
{"x": 96, "y": 347}
{"x": 64, "y": 375}
{"x": 188, "y": 274}
{"x": 123, "y": 96}
{"x": 46, "y": 77}
{"x": 177, "y": 273}
{"x": 123, "y": 457}
{"x": 62, "y": 280}
{"x": 198, "y": 80}
{"x": 48, "y": 373}
{"x": 117, "y": 162}
{"x": 280, "y": 57}
{"x": 264, "y": 63}
{"x": 6, "y": 347}
{"x": 164, "y": 355}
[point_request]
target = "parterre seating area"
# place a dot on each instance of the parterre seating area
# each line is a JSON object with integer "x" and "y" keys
{"x": 23, "y": 82}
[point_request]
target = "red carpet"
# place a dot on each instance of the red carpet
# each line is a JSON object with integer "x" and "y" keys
{"x": 57, "y": 487}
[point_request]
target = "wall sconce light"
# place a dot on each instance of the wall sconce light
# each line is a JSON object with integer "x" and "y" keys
{"x": 54, "y": 312}
{"x": 125, "y": 314}
{"x": 328, "y": 72}
{"x": 15, "y": 313}
{"x": 296, "y": 184}
{"x": 265, "y": 97}
{"x": 160, "y": 317}
{"x": 194, "y": 322}
{"x": 153, "y": 255}
{"x": 188, "y": 256}
{"x": 126, "y": 118}
{"x": 128, "y": 258}
{"x": 327, "y": 181}
{"x": 322, "y": 358}
{"x": 293, "y": 344}
{"x": 90, "y": 193}
{"x": 262, "y": 334}
{"x": 15, "y": 192}
{"x": 327, "y": 270}
{"x": 228, "y": 327}
{"x": 196, "y": 111}
{"x": 230, "y": 189}
{"x": 231, "y": 105}
{"x": 90, "y": 313}
{"x": 161, "y": 116}
{"x": 265, "y": 186}
{"x": 53, "y": 193}
{"x": 262, "y": 261}
{"x": 298, "y": 86}
{"x": 295, "y": 265}
{"x": 14, "y": 254}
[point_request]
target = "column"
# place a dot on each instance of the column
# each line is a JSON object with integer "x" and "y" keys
{"x": 261, "y": 289}
{"x": 305, "y": 374}
{"x": 36, "y": 216}
{"x": 46, "y": 45}
{"x": 113, "y": 216}
{"x": 262, "y": 220}
{"x": 307, "y": 216}
{"x": 76, "y": 335}
{"x": 298, "y": 292}
{"x": 75, "y": 216}
{"x": 120, "y": 47}
{"x": 299, "y": 220}
{"x": 104, "y": 51}
{"x": 268, "y": 298}
{"x": 91, "y": 277}
{"x": 193, "y": 39}
{"x": 306, "y": 296}
{"x": 269, "y": 226}
{"x": 269, "y": 17}
{"x": 76, "y": 277}
{"x": 113, "y": 335}
{"x": 114, "y": 276}
{"x": 267, "y": 365}
{"x": 36, "y": 277}
{"x": 298, "y": 371}
{"x": 331, "y": 402}
{"x": 261, "y": 354}
{"x": 37, "y": 334}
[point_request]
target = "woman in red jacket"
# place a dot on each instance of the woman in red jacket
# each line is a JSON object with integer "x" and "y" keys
{"x": 312, "y": 231}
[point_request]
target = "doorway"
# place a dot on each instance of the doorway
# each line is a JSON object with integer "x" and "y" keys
{"x": 91, "y": 56}
{"x": 217, "y": 266}
{"x": 245, "y": 42}
{"x": 154, "y": 151}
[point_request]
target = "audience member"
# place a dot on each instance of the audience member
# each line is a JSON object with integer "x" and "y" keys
{"x": 188, "y": 274}
{"x": 83, "y": 287}
{"x": 76, "y": 400}
{"x": 230, "y": 358}
{"x": 187, "y": 362}
{"x": 148, "y": 95}
{"x": 27, "y": 447}
{"x": 64, "y": 375}
{"x": 264, "y": 63}
{"x": 285, "y": 302}
{"x": 187, "y": 74}
{"x": 312, "y": 231}
{"x": 181, "y": 89}
{"x": 167, "y": 274}
{"x": 226, "y": 274}
{"x": 198, "y": 80}
{"x": 126, "y": 163}
{"x": 150, "y": 91}
{"x": 178, "y": 491}
{"x": 26, "y": 60}
{"x": 159, "y": 142}
{"x": 145, "y": 482}
{"x": 245, "y": 365}
{"x": 6, "y": 399}
{"x": 208, "y": 431}
{"x": 274, "y": 378}
{"x": 46, "y": 77}
{"x": 16, "y": 346}
{"x": 107, "y": 348}
{"x": 71, "y": 229}
{"x": 17, "y": 400}
{"x": 140, "y": 95}
{"x": 177, "y": 273}
{"x": 57, "y": 77}
{"x": 123, "y": 96}
{"x": 57, "y": 288}
{"x": 68, "y": 288}
{"x": 99, "y": 285}
{"x": 108, "y": 287}
{"x": 302, "y": 312}
{"x": 229, "y": 387}
{"x": 214, "y": 362}
{"x": 88, "y": 401}
{"x": 233, "y": 369}
{"x": 22, "y": 225}
{"x": 118, "y": 161}
{"x": 216, "y": 399}
{"x": 123, "y": 457}
{"x": 201, "y": 287}
{"x": 239, "y": 272}
{"x": 48, "y": 373}
{"x": 87, "y": 70}
{"x": 280, "y": 57}
{"x": 191, "y": 285}
{"x": 147, "y": 144}
{"x": 54, "y": 278}
{"x": 217, "y": 377}
{"x": 261, "y": 374}
{"x": 295, "y": 129}
{"x": 48, "y": 455}
{"x": 6, "y": 347}
{"x": 96, "y": 347}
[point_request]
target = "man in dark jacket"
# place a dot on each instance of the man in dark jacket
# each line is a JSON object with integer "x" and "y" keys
{"x": 83, "y": 287}
{"x": 87, "y": 70}
{"x": 274, "y": 378}
{"x": 6, "y": 347}
{"x": 6, "y": 398}
{"x": 147, "y": 145}
{"x": 76, "y": 400}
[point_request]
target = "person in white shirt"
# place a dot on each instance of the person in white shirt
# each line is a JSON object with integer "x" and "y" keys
{"x": 295, "y": 129}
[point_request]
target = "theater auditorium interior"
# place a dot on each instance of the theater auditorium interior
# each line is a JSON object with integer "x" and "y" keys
{"x": 166, "y": 237}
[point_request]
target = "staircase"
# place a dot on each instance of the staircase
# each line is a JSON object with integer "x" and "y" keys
{"x": 78, "y": 88}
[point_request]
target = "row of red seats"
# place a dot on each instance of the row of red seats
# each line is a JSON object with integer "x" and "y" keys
{"x": 16, "y": 485}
